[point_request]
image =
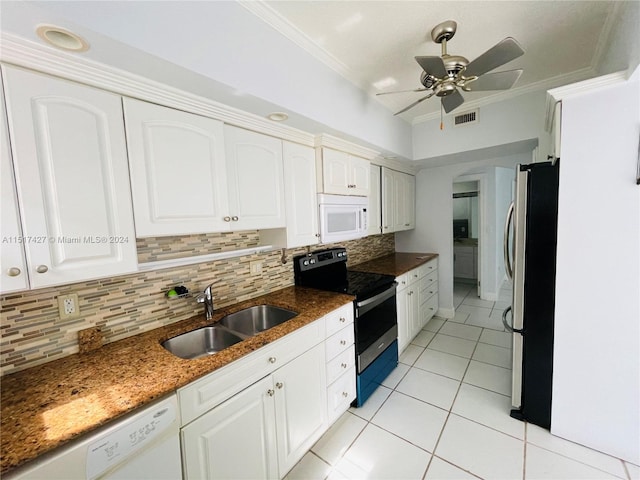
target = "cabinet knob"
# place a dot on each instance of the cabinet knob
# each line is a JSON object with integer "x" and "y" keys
{"x": 407, "y": 224}
{"x": 234, "y": 218}
{"x": 343, "y": 365}
{"x": 404, "y": 283}
{"x": 42, "y": 269}
{"x": 345, "y": 394}
{"x": 270, "y": 392}
{"x": 415, "y": 276}
{"x": 14, "y": 272}
{"x": 342, "y": 319}
{"x": 272, "y": 359}
{"x": 279, "y": 385}
{"x": 318, "y": 235}
{"x": 343, "y": 342}
{"x": 227, "y": 219}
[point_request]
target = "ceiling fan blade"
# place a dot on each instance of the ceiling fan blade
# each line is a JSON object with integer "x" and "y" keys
{"x": 433, "y": 66}
{"x": 499, "y": 54}
{"x": 404, "y": 91}
{"x": 415, "y": 103}
{"x": 453, "y": 101}
{"x": 495, "y": 81}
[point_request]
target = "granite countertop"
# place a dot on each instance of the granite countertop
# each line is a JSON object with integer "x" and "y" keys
{"x": 394, "y": 264}
{"x": 46, "y": 406}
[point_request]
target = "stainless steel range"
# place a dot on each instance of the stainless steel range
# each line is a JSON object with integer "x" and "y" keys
{"x": 376, "y": 321}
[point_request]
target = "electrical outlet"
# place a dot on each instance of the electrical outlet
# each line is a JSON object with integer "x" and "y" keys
{"x": 68, "y": 306}
{"x": 255, "y": 267}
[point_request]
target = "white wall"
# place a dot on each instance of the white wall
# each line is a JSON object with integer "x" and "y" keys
{"x": 514, "y": 120}
{"x": 622, "y": 51}
{"x": 596, "y": 374}
{"x": 434, "y": 206}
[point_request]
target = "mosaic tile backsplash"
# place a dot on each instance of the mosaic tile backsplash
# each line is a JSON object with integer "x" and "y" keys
{"x": 31, "y": 332}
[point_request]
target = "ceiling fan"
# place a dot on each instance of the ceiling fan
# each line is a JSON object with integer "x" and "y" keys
{"x": 446, "y": 75}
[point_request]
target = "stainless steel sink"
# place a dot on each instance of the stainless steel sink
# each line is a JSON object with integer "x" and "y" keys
{"x": 253, "y": 320}
{"x": 201, "y": 342}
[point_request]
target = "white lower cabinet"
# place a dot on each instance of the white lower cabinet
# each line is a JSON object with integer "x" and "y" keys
{"x": 258, "y": 416}
{"x": 417, "y": 301}
{"x": 264, "y": 430}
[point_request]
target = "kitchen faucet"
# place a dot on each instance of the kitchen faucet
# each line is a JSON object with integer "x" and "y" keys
{"x": 207, "y": 298}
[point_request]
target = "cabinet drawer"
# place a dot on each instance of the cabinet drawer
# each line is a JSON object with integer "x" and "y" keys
{"x": 338, "y": 319}
{"x": 338, "y": 342}
{"x": 429, "y": 308}
{"x": 341, "y": 364}
{"x": 341, "y": 393}
{"x": 403, "y": 281}
{"x": 428, "y": 267}
{"x": 431, "y": 278}
{"x": 428, "y": 290}
{"x": 204, "y": 394}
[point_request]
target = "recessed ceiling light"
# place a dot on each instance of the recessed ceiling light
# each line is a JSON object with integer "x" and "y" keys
{"x": 62, "y": 38}
{"x": 278, "y": 116}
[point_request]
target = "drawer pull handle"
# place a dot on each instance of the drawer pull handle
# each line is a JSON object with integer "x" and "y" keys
{"x": 342, "y": 319}
{"x": 234, "y": 218}
{"x": 13, "y": 272}
{"x": 279, "y": 385}
{"x": 343, "y": 365}
{"x": 415, "y": 276}
{"x": 270, "y": 392}
{"x": 343, "y": 342}
{"x": 345, "y": 394}
{"x": 42, "y": 269}
{"x": 272, "y": 359}
{"x": 227, "y": 219}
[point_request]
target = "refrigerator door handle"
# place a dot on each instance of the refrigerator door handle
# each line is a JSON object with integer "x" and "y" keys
{"x": 506, "y": 324}
{"x": 507, "y": 258}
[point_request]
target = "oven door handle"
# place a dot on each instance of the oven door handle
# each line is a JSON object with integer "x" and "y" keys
{"x": 369, "y": 303}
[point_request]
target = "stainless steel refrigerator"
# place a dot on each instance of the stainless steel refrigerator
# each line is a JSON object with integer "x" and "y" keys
{"x": 530, "y": 261}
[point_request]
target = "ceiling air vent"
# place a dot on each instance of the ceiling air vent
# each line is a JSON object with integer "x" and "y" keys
{"x": 466, "y": 118}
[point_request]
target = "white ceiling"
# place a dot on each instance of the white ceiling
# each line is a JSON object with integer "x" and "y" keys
{"x": 369, "y": 41}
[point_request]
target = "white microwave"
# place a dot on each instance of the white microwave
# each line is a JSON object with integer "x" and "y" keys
{"x": 342, "y": 217}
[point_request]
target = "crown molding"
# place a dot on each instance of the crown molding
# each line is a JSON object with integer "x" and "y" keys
{"x": 545, "y": 84}
{"x": 18, "y": 51}
{"x": 329, "y": 141}
{"x": 556, "y": 95}
{"x": 274, "y": 19}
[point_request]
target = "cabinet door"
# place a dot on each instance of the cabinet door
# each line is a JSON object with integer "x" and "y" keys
{"x": 14, "y": 275}
{"x": 256, "y": 183}
{"x": 399, "y": 203}
{"x": 336, "y": 176}
{"x": 234, "y": 440}
{"x": 359, "y": 170}
{"x": 300, "y": 195}
{"x": 374, "y": 212}
{"x": 409, "y": 200}
{"x": 403, "y": 300}
{"x": 72, "y": 180}
{"x": 388, "y": 201}
{"x": 178, "y": 172}
{"x": 301, "y": 406}
{"x": 463, "y": 262}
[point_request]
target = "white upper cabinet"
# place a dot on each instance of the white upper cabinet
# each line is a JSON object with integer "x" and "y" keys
{"x": 14, "y": 275}
{"x": 301, "y": 202}
{"x": 255, "y": 179}
{"x": 374, "y": 213}
{"x": 72, "y": 181}
{"x": 178, "y": 170}
{"x": 398, "y": 201}
{"x": 342, "y": 174}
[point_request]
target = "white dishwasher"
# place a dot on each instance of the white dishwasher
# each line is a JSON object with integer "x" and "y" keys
{"x": 143, "y": 445}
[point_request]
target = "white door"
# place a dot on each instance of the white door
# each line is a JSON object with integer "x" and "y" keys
{"x": 234, "y": 440}
{"x": 14, "y": 275}
{"x": 178, "y": 171}
{"x": 300, "y": 195}
{"x": 374, "y": 212}
{"x": 336, "y": 174}
{"x": 359, "y": 175}
{"x": 256, "y": 183}
{"x": 72, "y": 178}
{"x": 301, "y": 405}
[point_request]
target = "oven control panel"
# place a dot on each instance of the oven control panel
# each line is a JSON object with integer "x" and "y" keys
{"x": 319, "y": 259}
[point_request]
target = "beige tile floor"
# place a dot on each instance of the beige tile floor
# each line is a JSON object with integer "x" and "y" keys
{"x": 443, "y": 413}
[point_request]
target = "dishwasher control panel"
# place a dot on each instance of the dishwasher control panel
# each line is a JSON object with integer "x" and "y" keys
{"x": 142, "y": 430}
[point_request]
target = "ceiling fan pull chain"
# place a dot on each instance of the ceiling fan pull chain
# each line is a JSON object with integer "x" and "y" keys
{"x": 441, "y": 122}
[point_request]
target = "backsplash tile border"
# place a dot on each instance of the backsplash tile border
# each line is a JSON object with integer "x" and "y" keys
{"x": 31, "y": 332}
